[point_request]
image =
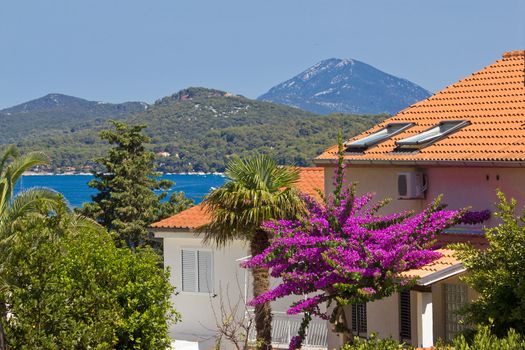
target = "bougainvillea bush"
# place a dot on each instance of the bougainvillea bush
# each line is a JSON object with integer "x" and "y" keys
{"x": 345, "y": 252}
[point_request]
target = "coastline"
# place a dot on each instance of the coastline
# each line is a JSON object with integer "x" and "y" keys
{"x": 35, "y": 173}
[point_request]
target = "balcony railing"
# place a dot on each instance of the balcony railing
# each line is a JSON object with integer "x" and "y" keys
{"x": 285, "y": 326}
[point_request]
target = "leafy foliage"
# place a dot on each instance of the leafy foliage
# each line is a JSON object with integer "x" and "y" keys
{"x": 126, "y": 202}
{"x": 498, "y": 272}
{"x": 15, "y": 209}
{"x": 69, "y": 287}
{"x": 203, "y": 129}
{"x": 12, "y": 166}
{"x": 374, "y": 343}
{"x": 344, "y": 252}
{"x": 483, "y": 339}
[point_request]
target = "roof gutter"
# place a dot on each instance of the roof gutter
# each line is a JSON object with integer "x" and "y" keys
{"x": 444, "y": 163}
{"x": 441, "y": 275}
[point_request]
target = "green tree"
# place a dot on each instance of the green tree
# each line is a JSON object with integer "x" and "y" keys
{"x": 72, "y": 288}
{"x": 257, "y": 190}
{"x": 15, "y": 209}
{"x": 126, "y": 202}
{"x": 498, "y": 272}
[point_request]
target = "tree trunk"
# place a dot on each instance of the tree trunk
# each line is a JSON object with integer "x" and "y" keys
{"x": 261, "y": 284}
{"x": 2, "y": 337}
{"x": 3, "y": 315}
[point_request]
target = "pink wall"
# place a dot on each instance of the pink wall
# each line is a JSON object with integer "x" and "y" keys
{"x": 461, "y": 186}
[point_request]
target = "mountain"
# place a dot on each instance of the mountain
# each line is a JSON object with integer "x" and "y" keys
{"x": 198, "y": 129}
{"x": 59, "y": 112}
{"x": 346, "y": 86}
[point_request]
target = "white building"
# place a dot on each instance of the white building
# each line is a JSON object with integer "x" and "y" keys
{"x": 206, "y": 277}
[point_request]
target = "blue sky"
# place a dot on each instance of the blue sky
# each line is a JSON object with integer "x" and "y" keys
{"x": 119, "y": 50}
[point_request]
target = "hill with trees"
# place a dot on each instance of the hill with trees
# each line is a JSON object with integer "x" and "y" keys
{"x": 198, "y": 130}
{"x": 56, "y": 113}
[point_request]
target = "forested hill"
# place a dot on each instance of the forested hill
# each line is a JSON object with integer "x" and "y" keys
{"x": 199, "y": 129}
{"x": 346, "y": 86}
{"x": 57, "y": 112}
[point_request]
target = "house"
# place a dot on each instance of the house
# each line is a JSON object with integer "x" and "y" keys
{"x": 464, "y": 142}
{"x": 206, "y": 277}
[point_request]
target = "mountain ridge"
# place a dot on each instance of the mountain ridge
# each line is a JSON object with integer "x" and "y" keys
{"x": 56, "y": 111}
{"x": 346, "y": 86}
{"x": 199, "y": 129}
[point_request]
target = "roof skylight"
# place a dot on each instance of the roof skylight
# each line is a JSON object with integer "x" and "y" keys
{"x": 431, "y": 135}
{"x": 377, "y": 137}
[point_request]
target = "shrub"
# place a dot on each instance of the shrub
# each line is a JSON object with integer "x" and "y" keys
{"x": 498, "y": 272}
{"x": 374, "y": 343}
{"x": 67, "y": 286}
{"x": 485, "y": 340}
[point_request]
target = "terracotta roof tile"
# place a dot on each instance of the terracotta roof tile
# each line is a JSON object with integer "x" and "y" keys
{"x": 189, "y": 218}
{"x": 447, "y": 260}
{"x": 310, "y": 179}
{"x": 492, "y": 99}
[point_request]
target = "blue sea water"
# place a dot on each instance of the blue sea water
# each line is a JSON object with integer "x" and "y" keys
{"x": 76, "y": 191}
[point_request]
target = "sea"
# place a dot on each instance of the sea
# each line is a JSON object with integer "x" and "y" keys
{"x": 76, "y": 190}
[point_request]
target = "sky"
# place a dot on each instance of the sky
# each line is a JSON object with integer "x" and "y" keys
{"x": 142, "y": 50}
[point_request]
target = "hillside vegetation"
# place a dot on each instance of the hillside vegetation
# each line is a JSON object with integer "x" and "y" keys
{"x": 201, "y": 129}
{"x": 56, "y": 113}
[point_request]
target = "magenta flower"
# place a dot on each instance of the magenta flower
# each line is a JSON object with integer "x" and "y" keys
{"x": 345, "y": 252}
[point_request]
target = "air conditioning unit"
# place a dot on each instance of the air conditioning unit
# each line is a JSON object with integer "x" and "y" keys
{"x": 411, "y": 185}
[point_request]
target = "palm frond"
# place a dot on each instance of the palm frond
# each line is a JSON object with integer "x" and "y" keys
{"x": 22, "y": 164}
{"x": 35, "y": 200}
{"x": 10, "y": 152}
{"x": 257, "y": 190}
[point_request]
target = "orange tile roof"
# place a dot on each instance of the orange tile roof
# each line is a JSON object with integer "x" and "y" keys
{"x": 189, "y": 218}
{"x": 492, "y": 99}
{"x": 447, "y": 260}
{"x": 310, "y": 179}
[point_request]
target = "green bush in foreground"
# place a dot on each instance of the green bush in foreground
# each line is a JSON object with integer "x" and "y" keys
{"x": 374, "y": 343}
{"x": 498, "y": 272}
{"x": 69, "y": 287}
{"x": 483, "y": 339}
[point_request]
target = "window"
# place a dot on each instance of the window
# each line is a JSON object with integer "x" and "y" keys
{"x": 377, "y": 137}
{"x": 431, "y": 135}
{"x": 359, "y": 325}
{"x": 197, "y": 271}
{"x": 455, "y": 299}
{"x": 405, "y": 324}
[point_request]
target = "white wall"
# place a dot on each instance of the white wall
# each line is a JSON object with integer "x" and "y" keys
{"x": 383, "y": 317}
{"x": 198, "y": 322}
{"x": 229, "y": 279}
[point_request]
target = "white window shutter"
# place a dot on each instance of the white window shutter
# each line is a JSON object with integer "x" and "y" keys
{"x": 189, "y": 271}
{"x": 205, "y": 272}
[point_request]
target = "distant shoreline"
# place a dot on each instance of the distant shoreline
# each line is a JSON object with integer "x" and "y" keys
{"x": 34, "y": 173}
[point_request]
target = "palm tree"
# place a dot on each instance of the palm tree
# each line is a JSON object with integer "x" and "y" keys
{"x": 15, "y": 208}
{"x": 257, "y": 190}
